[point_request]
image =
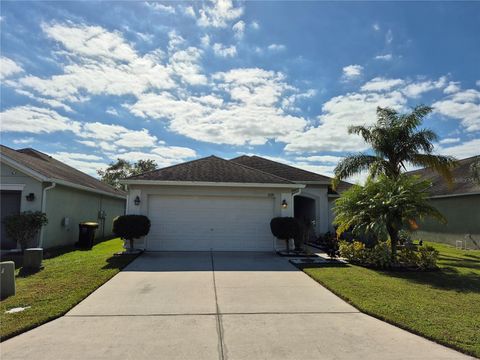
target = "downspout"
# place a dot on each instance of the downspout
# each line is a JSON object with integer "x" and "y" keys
{"x": 44, "y": 206}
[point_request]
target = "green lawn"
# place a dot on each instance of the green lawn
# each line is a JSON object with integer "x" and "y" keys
{"x": 443, "y": 305}
{"x": 66, "y": 280}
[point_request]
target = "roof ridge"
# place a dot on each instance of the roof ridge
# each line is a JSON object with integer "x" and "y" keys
{"x": 171, "y": 166}
{"x": 264, "y": 172}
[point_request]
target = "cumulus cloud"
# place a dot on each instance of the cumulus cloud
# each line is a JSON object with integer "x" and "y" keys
{"x": 86, "y": 163}
{"x": 462, "y": 105}
{"x": 35, "y": 120}
{"x": 239, "y": 29}
{"x": 218, "y": 13}
{"x": 452, "y": 87}
{"x": 449, "y": 140}
{"x": 160, "y": 7}
{"x": 8, "y": 67}
{"x": 415, "y": 89}
{"x": 325, "y": 159}
{"x": 224, "y": 51}
{"x": 466, "y": 149}
{"x": 338, "y": 113}
{"x": 352, "y": 71}
{"x": 381, "y": 84}
{"x": 255, "y": 25}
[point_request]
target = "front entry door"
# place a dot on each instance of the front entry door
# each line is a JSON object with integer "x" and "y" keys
{"x": 10, "y": 205}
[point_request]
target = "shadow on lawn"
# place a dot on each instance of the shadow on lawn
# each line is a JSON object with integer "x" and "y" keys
{"x": 119, "y": 261}
{"x": 446, "y": 278}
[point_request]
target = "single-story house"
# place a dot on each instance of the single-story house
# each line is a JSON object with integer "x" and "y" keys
{"x": 34, "y": 181}
{"x": 213, "y": 203}
{"x": 459, "y": 203}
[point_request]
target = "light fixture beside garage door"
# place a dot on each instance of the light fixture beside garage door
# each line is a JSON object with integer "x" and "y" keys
{"x": 284, "y": 204}
{"x": 137, "y": 200}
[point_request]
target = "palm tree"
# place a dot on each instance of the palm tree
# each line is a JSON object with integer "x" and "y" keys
{"x": 396, "y": 141}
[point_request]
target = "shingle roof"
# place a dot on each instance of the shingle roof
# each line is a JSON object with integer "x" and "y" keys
{"x": 56, "y": 170}
{"x": 463, "y": 182}
{"x": 288, "y": 172}
{"x": 211, "y": 169}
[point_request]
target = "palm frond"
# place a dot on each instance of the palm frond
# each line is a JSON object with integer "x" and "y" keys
{"x": 441, "y": 164}
{"x": 352, "y": 165}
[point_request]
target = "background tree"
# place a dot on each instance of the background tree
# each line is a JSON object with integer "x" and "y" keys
{"x": 396, "y": 141}
{"x": 122, "y": 169}
{"x": 384, "y": 206}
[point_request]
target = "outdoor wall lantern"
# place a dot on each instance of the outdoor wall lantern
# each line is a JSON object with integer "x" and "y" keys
{"x": 30, "y": 197}
{"x": 284, "y": 204}
{"x": 137, "y": 200}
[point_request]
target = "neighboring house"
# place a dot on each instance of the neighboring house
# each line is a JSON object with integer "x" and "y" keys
{"x": 218, "y": 204}
{"x": 34, "y": 181}
{"x": 459, "y": 203}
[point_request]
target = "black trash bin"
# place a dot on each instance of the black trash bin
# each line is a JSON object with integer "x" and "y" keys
{"x": 86, "y": 234}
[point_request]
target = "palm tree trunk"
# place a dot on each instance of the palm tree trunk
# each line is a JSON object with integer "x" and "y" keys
{"x": 393, "y": 232}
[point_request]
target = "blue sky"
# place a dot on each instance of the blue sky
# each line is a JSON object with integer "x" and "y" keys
{"x": 89, "y": 82}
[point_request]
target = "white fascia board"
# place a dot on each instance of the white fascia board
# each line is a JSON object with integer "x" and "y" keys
{"x": 453, "y": 195}
{"x": 86, "y": 188}
{"x": 206, "y": 183}
{"x": 24, "y": 169}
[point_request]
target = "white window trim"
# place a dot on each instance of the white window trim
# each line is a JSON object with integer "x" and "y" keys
{"x": 12, "y": 187}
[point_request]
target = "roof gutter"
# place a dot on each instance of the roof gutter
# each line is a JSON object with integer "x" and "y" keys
{"x": 44, "y": 207}
{"x": 453, "y": 195}
{"x": 208, "y": 183}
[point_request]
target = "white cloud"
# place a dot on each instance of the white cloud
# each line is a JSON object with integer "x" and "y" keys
{"x": 224, "y": 51}
{"x": 251, "y": 114}
{"x": 160, "y": 7}
{"x": 338, "y": 114}
{"x": 386, "y": 57}
{"x": 86, "y": 163}
{"x": 35, "y": 120}
{"x": 276, "y": 47}
{"x": 255, "y": 25}
{"x": 162, "y": 155}
{"x": 352, "y": 71}
{"x": 91, "y": 41}
{"x": 464, "y": 106}
{"x": 325, "y": 159}
{"x": 205, "y": 40}
{"x": 453, "y": 87}
{"x": 218, "y": 13}
{"x": 8, "y": 67}
{"x": 239, "y": 29}
{"x": 449, "y": 140}
{"x": 23, "y": 141}
{"x": 461, "y": 151}
{"x": 189, "y": 11}
{"x": 414, "y": 90}
{"x": 381, "y": 84}
{"x": 112, "y": 111}
{"x": 376, "y": 27}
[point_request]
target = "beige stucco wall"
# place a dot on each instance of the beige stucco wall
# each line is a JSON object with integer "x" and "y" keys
{"x": 463, "y": 216}
{"x": 78, "y": 206}
{"x": 144, "y": 192}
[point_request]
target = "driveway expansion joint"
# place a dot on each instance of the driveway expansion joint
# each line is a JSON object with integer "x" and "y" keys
{"x": 218, "y": 316}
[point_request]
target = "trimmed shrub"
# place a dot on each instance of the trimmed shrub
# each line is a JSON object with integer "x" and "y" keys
{"x": 427, "y": 258}
{"x": 130, "y": 227}
{"x": 24, "y": 227}
{"x": 380, "y": 255}
{"x": 330, "y": 244}
{"x": 407, "y": 257}
{"x": 285, "y": 228}
{"x": 354, "y": 252}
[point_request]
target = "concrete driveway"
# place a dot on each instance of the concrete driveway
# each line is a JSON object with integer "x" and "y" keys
{"x": 217, "y": 306}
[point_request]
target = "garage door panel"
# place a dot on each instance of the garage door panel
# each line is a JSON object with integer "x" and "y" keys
{"x": 202, "y": 223}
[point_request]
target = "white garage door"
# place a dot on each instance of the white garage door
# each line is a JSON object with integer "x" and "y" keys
{"x": 201, "y": 223}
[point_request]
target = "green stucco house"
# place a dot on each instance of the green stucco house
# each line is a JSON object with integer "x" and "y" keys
{"x": 34, "y": 181}
{"x": 458, "y": 202}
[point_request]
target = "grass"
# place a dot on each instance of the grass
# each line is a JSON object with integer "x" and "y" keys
{"x": 68, "y": 277}
{"x": 443, "y": 305}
